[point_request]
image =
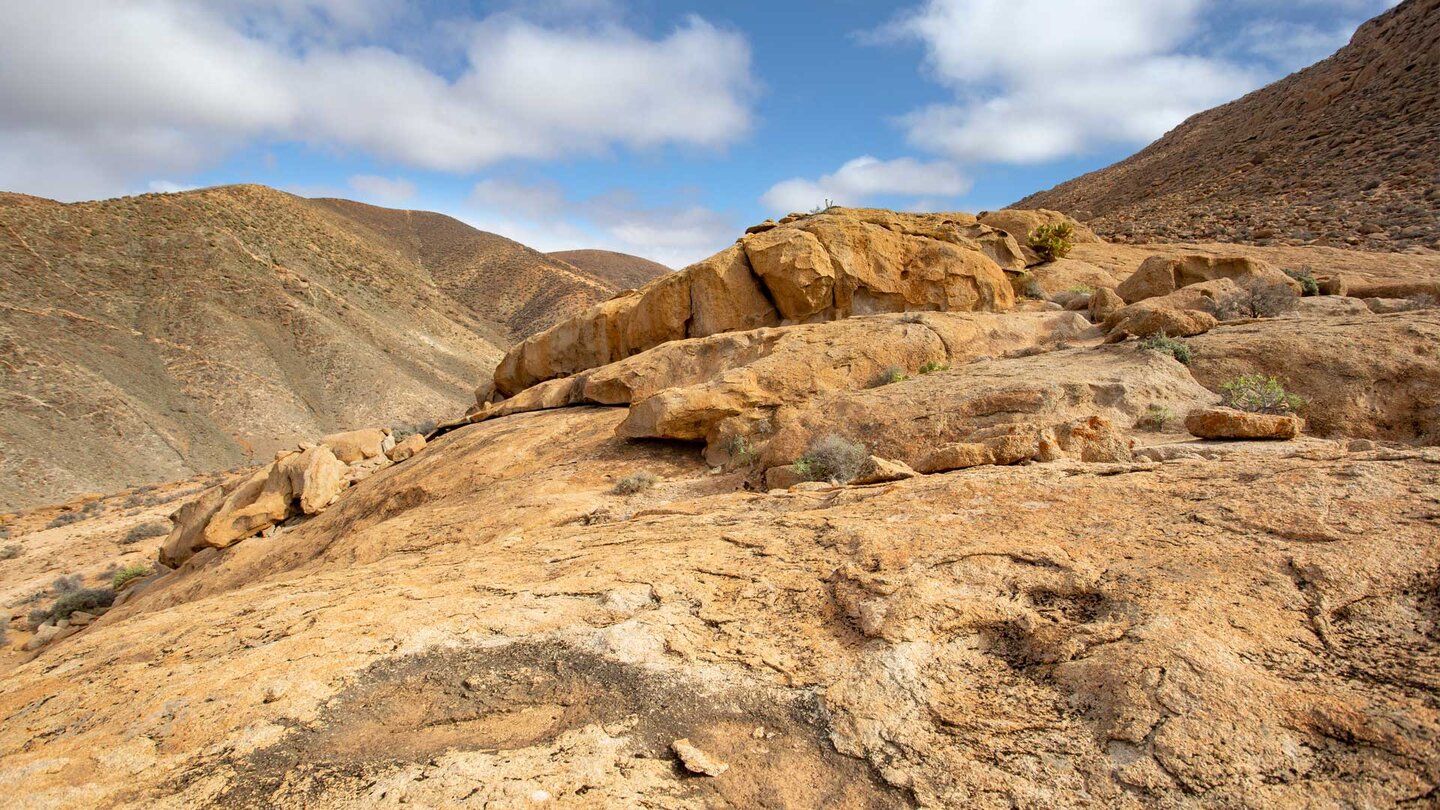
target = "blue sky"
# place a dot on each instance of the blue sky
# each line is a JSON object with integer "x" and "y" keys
{"x": 657, "y": 128}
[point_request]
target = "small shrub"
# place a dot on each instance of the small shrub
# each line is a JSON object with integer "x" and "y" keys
{"x": 65, "y": 519}
{"x": 820, "y": 209}
{"x": 144, "y": 531}
{"x": 86, "y": 599}
{"x": 1259, "y": 394}
{"x": 67, "y": 584}
{"x": 10, "y": 552}
{"x": 1032, "y": 289}
{"x": 1424, "y": 301}
{"x": 1164, "y": 344}
{"x": 893, "y": 374}
{"x": 1259, "y": 301}
{"x": 741, "y": 451}
{"x": 1051, "y": 242}
{"x": 631, "y": 484}
{"x": 128, "y": 573}
{"x": 832, "y": 458}
{"x": 932, "y": 367}
{"x": 1156, "y": 417}
{"x": 1081, "y": 289}
{"x": 1308, "y": 284}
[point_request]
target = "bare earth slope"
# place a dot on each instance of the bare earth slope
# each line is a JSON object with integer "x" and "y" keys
{"x": 500, "y": 280}
{"x": 148, "y": 338}
{"x": 621, "y": 269}
{"x": 1346, "y": 152}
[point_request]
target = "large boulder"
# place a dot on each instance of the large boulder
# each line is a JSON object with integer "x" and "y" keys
{"x": 1062, "y": 275}
{"x": 357, "y": 445}
{"x": 298, "y": 482}
{"x": 1366, "y": 376}
{"x": 1162, "y": 275}
{"x": 1228, "y": 423}
{"x": 823, "y": 267}
{"x": 1020, "y": 223}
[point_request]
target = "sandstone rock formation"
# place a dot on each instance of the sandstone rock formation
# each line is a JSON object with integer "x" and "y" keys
{"x": 821, "y": 267}
{"x": 1038, "y": 593}
{"x": 1228, "y": 423}
{"x": 1163, "y": 275}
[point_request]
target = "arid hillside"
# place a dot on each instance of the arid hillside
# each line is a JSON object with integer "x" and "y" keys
{"x": 149, "y": 338}
{"x": 868, "y": 510}
{"x": 1344, "y": 153}
{"x": 619, "y": 268}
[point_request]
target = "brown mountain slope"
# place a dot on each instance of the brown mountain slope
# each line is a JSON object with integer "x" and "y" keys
{"x": 498, "y": 279}
{"x": 151, "y": 337}
{"x": 1346, "y": 152}
{"x": 621, "y": 269}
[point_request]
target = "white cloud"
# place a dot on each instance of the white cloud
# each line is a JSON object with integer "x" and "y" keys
{"x": 385, "y": 190}
{"x": 168, "y": 187}
{"x": 121, "y": 91}
{"x": 864, "y": 178}
{"x": 1031, "y": 86}
{"x": 543, "y": 216}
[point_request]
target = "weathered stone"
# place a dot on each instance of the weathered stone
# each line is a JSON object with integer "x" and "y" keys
{"x": 880, "y": 470}
{"x": 1145, "y": 321}
{"x": 1228, "y": 423}
{"x": 407, "y": 447}
{"x": 1162, "y": 275}
{"x": 1020, "y": 223}
{"x": 783, "y": 477}
{"x": 1103, "y": 304}
{"x": 1067, "y": 274}
{"x": 956, "y": 456}
{"x": 725, "y": 296}
{"x": 697, "y": 761}
{"x": 356, "y": 445}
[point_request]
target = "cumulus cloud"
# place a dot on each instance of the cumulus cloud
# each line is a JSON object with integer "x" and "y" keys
{"x": 120, "y": 91}
{"x": 864, "y": 178}
{"x": 675, "y": 233}
{"x": 384, "y": 190}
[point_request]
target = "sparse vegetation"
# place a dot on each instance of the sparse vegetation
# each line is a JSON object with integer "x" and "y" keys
{"x": 1424, "y": 301}
{"x": 86, "y": 599}
{"x": 1051, "y": 242}
{"x": 67, "y": 584}
{"x": 10, "y": 552}
{"x": 1164, "y": 344}
{"x": 144, "y": 531}
{"x": 1081, "y": 289}
{"x": 128, "y": 573}
{"x": 932, "y": 366}
{"x": 1308, "y": 284}
{"x": 893, "y": 374}
{"x": 1156, "y": 417}
{"x": 832, "y": 458}
{"x": 631, "y": 484}
{"x": 741, "y": 451}
{"x": 820, "y": 209}
{"x": 1258, "y": 393}
{"x": 1259, "y": 301}
{"x": 65, "y": 519}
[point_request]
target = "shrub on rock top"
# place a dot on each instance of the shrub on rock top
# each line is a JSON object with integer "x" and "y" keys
{"x": 1051, "y": 242}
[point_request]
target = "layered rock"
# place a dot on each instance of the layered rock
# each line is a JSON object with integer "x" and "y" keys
{"x": 1163, "y": 275}
{"x": 822, "y": 267}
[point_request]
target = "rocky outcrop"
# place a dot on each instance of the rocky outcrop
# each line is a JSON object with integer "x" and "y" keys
{"x": 1020, "y": 223}
{"x": 1369, "y": 377}
{"x": 299, "y": 483}
{"x": 1228, "y": 423}
{"x": 1163, "y": 275}
{"x": 1063, "y": 275}
{"x": 822, "y": 267}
